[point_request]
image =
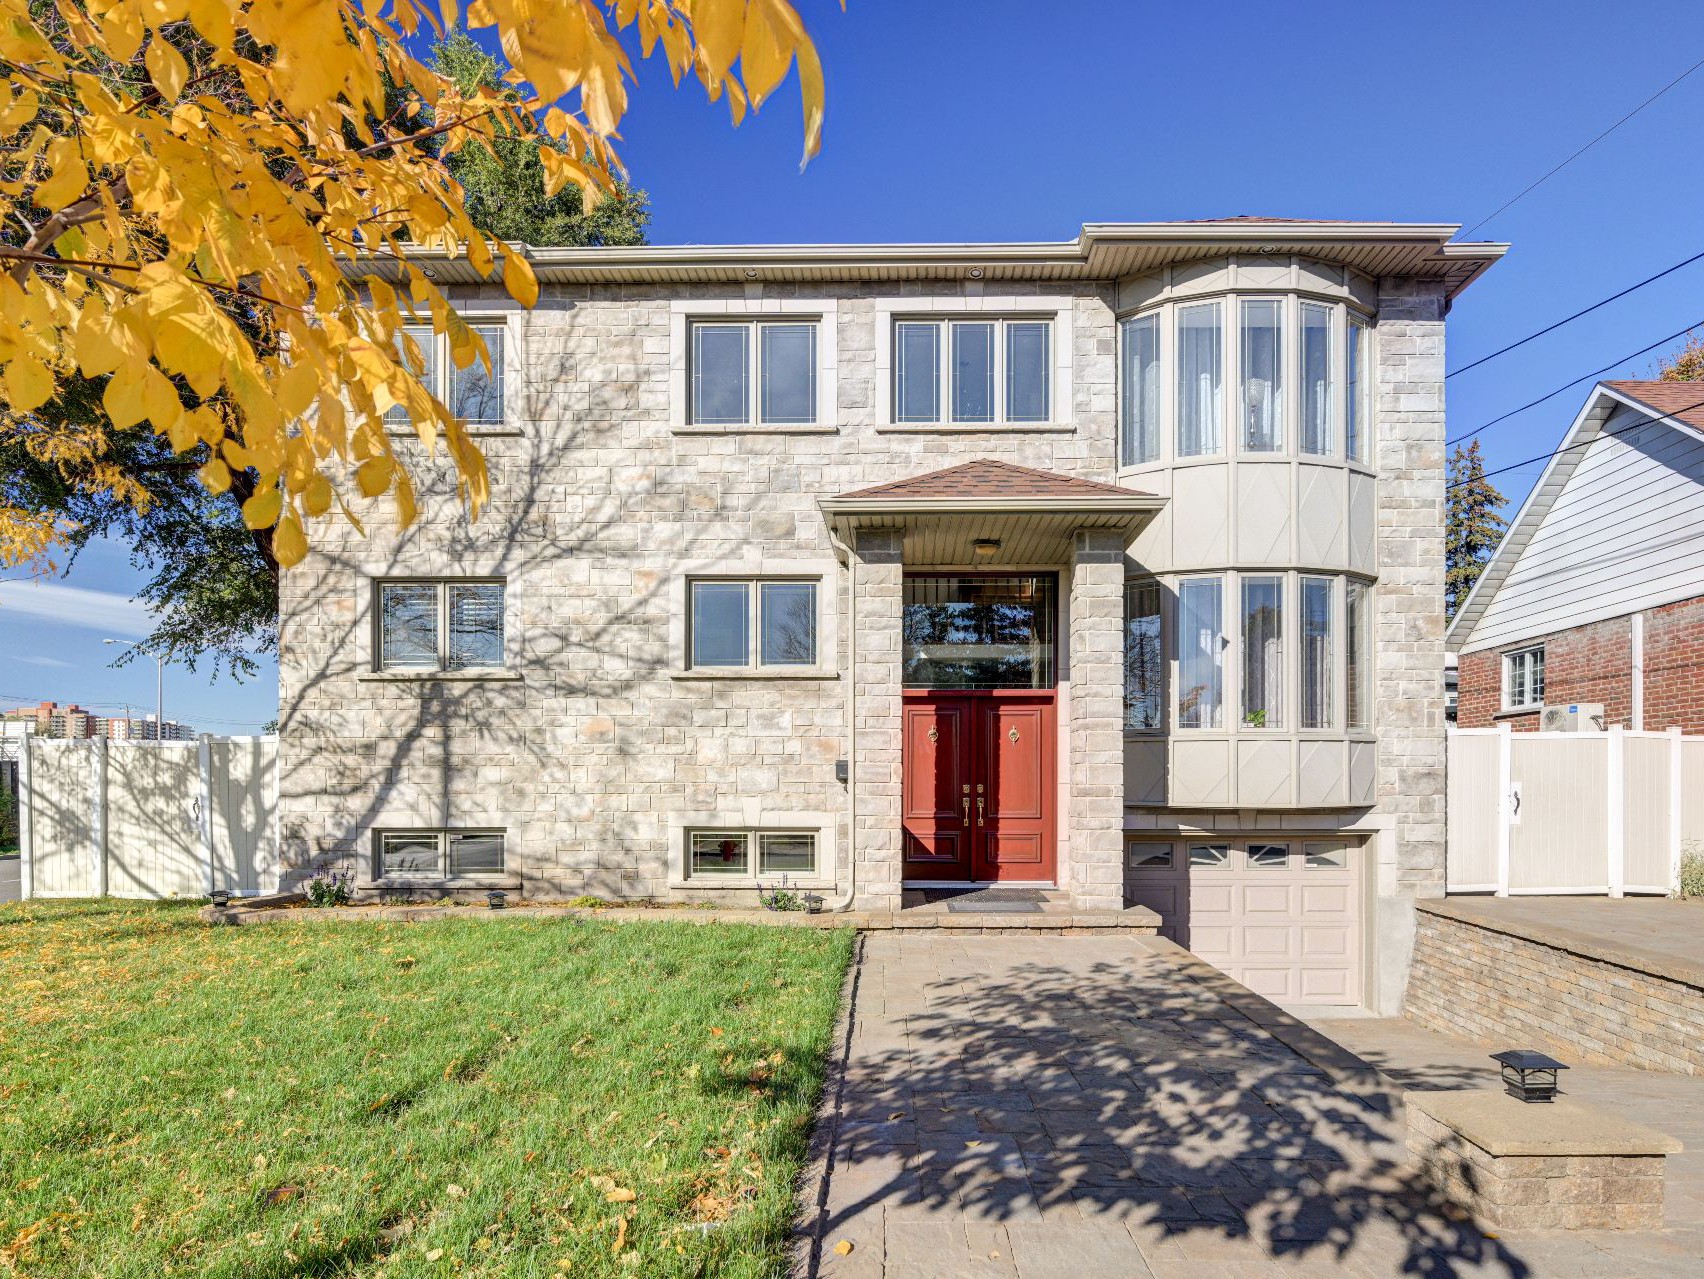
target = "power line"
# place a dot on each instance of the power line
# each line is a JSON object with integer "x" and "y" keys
{"x": 1578, "y": 444}
{"x": 1577, "y": 314}
{"x": 1600, "y": 137}
{"x": 1583, "y": 378}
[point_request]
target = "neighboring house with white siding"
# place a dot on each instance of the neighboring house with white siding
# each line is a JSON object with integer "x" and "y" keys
{"x": 1596, "y": 594}
{"x": 1113, "y": 566}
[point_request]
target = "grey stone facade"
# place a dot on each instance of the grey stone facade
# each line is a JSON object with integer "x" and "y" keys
{"x": 596, "y": 748}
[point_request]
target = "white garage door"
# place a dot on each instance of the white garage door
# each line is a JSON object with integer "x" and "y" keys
{"x": 1283, "y": 918}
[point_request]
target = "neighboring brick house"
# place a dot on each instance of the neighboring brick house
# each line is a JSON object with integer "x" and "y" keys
{"x": 1115, "y": 565}
{"x": 1596, "y": 594}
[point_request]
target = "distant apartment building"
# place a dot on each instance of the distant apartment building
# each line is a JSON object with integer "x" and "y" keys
{"x": 53, "y": 720}
{"x": 133, "y": 729}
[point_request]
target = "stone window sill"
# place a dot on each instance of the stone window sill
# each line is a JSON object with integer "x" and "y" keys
{"x": 976, "y": 428}
{"x": 508, "y": 883}
{"x": 747, "y": 883}
{"x": 737, "y": 672}
{"x": 439, "y": 677}
{"x": 1518, "y": 712}
{"x": 490, "y": 430}
{"x": 757, "y": 428}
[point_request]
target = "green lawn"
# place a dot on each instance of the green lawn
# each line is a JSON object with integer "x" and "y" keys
{"x": 465, "y": 1097}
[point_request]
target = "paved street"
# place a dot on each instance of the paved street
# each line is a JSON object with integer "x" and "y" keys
{"x": 1083, "y": 1107}
{"x": 9, "y": 879}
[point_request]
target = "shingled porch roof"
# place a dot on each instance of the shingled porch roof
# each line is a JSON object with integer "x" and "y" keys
{"x": 1031, "y": 512}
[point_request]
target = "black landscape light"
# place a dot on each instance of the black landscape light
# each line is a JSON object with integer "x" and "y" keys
{"x": 1529, "y": 1075}
{"x": 221, "y": 899}
{"x": 497, "y": 899}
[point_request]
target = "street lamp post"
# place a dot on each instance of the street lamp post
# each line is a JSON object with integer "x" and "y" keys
{"x": 159, "y": 688}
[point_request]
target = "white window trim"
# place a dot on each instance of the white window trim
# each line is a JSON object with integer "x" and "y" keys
{"x": 368, "y": 643}
{"x": 491, "y": 879}
{"x": 751, "y": 816}
{"x": 824, "y": 311}
{"x": 511, "y": 319}
{"x": 1061, "y": 394}
{"x": 825, "y": 573}
{"x": 1505, "y": 657}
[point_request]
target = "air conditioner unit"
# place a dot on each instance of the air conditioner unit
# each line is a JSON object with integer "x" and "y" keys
{"x": 1581, "y": 717}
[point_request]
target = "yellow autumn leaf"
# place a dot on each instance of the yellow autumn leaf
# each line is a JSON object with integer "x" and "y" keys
{"x": 519, "y": 280}
{"x": 29, "y": 384}
{"x": 215, "y": 475}
{"x": 289, "y": 542}
{"x": 374, "y": 476}
{"x": 166, "y": 67}
{"x": 69, "y": 179}
{"x": 261, "y": 510}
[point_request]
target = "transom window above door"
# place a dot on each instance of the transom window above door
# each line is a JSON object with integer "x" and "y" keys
{"x": 752, "y": 371}
{"x": 967, "y": 631}
{"x": 755, "y": 622}
{"x": 972, "y": 371}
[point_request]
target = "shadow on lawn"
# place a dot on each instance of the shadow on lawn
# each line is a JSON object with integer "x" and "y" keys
{"x": 1124, "y": 1093}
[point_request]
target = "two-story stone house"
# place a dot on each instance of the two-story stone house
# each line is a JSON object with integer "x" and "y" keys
{"x": 1114, "y": 565}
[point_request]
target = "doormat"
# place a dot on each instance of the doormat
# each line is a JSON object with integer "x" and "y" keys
{"x": 979, "y": 905}
{"x": 984, "y": 893}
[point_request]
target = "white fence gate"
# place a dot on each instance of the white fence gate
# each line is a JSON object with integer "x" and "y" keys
{"x": 1586, "y": 813}
{"x": 149, "y": 819}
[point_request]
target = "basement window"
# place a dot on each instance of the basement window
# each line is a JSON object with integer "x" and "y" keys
{"x": 439, "y": 854}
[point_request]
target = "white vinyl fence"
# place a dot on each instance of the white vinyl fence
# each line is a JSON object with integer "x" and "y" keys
{"x": 149, "y": 819}
{"x": 1589, "y": 813}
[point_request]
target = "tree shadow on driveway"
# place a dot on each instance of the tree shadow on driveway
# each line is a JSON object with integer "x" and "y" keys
{"x": 1063, "y": 1089}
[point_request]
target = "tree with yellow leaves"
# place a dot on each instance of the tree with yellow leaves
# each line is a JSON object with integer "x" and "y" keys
{"x": 182, "y": 182}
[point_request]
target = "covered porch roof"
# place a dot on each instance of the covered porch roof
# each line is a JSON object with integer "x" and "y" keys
{"x": 1027, "y": 515}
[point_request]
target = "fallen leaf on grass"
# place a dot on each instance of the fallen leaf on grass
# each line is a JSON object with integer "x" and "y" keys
{"x": 454, "y": 1191}
{"x": 843, "y": 1248}
{"x": 280, "y": 1195}
{"x": 434, "y": 1254}
{"x": 620, "y": 1236}
{"x": 613, "y": 1193}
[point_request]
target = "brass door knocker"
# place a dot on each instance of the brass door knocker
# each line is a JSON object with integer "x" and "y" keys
{"x": 1013, "y": 735}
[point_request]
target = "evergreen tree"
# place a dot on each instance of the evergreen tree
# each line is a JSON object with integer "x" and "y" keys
{"x": 1472, "y": 526}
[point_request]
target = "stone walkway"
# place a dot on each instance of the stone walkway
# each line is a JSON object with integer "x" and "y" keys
{"x": 1081, "y": 1107}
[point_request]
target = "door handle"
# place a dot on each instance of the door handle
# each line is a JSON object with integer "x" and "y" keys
{"x": 967, "y": 810}
{"x": 979, "y": 803}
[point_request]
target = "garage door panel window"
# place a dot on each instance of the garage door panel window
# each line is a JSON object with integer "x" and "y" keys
{"x": 1151, "y": 856}
{"x": 1210, "y": 856}
{"x": 1269, "y": 856}
{"x": 1327, "y": 857}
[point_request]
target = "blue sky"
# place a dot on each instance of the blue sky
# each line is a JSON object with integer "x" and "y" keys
{"x": 1022, "y": 119}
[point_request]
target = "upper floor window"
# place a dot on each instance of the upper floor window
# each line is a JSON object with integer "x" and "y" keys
{"x": 973, "y": 371}
{"x": 752, "y": 623}
{"x": 731, "y": 359}
{"x": 1523, "y": 679}
{"x": 1139, "y": 405}
{"x": 1263, "y": 652}
{"x": 440, "y": 625}
{"x": 1317, "y": 673}
{"x": 473, "y": 394}
{"x": 1358, "y": 654}
{"x": 1200, "y": 653}
{"x": 1297, "y": 370}
{"x": 1358, "y": 406}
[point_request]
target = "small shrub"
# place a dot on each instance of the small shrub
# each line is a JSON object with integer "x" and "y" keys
{"x": 331, "y": 890}
{"x": 1692, "y": 873}
{"x": 585, "y": 901}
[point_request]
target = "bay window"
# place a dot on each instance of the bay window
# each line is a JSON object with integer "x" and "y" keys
{"x": 1139, "y": 393}
{"x": 996, "y": 371}
{"x": 1263, "y": 652}
{"x": 1317, "y": 675}
{"x": 730, "y": 358}
{"x": 1200, "y": 350}
{"x": 1144, "y": 662}
{"x": 1200, "y": 652}
{"x": 1262, "y": 384}
{"x": 1358, "y": 655}
{"x": 1317, "y": 388}
{"x": 1358, "y": 407}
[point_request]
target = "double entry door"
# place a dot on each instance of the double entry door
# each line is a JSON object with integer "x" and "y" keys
{"x": 978, "y": 791}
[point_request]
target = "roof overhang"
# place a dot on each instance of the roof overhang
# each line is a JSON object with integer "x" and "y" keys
{"x": 1102, "y": 251}
{"x": 1031, "y": 531}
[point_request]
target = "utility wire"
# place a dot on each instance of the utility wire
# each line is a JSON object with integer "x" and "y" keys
{"x": 1583, "y": 378}
{"x": 1600, "y": 137}
{"x": 1577, "y": 314}
{"x": 1578, "y": 444}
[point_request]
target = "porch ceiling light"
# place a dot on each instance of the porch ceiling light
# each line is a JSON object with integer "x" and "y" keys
{"x": 986, "y": 546}
{"x": 1529, "y": 1075}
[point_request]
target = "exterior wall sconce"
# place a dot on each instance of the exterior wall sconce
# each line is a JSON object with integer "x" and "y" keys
{"x": 221, "y": 899}
{"x": 497, "y": 899}
{"x": 985, "y": 546}
{"x": 842, "y": 771}
{"x": 1528, "y": 1075}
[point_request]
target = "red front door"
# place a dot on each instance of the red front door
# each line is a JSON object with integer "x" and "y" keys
{"x": 978, "y": 785}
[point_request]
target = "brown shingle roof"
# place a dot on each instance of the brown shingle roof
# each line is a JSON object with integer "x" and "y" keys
{"x": 986, "y": 478}
{"x": 1683, "y": 401}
